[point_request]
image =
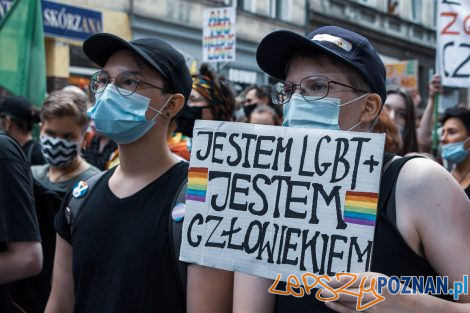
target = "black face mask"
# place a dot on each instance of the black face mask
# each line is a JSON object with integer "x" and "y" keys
{"x": 185, "y": 120}
{"x": 248, "y": 109}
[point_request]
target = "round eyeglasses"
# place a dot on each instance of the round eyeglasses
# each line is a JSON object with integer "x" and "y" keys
{"x": 126, "y": 83}
{"x": 311, "y": 86}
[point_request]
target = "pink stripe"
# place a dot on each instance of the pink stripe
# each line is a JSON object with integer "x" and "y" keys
{"x": 178, "y": 211}
{"x": 359, "y": 221}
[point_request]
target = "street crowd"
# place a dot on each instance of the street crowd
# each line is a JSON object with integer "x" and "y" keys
{"x": 85, "y": 208}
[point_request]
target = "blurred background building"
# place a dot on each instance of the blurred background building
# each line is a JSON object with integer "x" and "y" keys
{"x": 399, "y": 29}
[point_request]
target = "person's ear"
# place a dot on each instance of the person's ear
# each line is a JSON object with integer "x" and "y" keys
{"x": 175, "y": 104}
{"x": 7, "y": 123}
{"x": 371, "y": 108}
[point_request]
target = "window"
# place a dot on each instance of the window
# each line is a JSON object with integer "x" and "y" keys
{"x": 416, "y": 10}
{"x": 286, "y": 10}
{"x": 262, "y": 7}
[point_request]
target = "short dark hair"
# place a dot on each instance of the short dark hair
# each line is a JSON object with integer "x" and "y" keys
{"x": 62, "y": 103}
{"x": 460, "y": 113}
{"x": 260, "y": 91}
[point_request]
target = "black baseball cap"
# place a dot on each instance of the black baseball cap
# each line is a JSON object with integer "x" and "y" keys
{"x": 162, "y": 56}
{"x": 18, "y": 107}
{"x": 276, "y": 49}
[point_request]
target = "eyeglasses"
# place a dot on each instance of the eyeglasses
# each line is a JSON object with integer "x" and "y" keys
{"x": 311, "y": 86}
{"x": 126, "y": 83}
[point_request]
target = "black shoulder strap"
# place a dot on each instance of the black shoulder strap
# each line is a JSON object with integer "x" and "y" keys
{"x": 75, "y": 204}
{"x": 388, "y": 182}
{"x": 29, "y": 154}
{"x": 175, "y": 230}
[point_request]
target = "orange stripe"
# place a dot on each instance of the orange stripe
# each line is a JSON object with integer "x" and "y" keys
{"x": 359, "y": 198}
{"x": 362, "y": 194}
{"x": 198, "y": 175}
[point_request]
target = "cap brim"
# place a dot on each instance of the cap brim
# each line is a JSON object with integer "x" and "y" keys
{"x": 100, "y": 47}
{"x": 276, "y": 49}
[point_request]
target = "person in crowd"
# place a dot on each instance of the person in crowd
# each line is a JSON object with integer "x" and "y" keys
{"x": 20, "y": 241}
{"x": 401, "y": 109}
{"x": 63, "y": 126}
{"x": 118, "y": 256}
{"x": 425, "y": 128}
{"x": 211, "y": 98}
{"x": 17, "y": 117}
{"x": 455, "y": 144}
{"x": 100, "y": 151}
{"x": 349, "y": 77}
{"x": 254, "y": 95}
{"x": 264, "y": 114}
{"x": 386, "y": 125}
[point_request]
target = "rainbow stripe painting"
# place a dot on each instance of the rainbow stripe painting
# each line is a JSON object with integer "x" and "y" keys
{"x": 360, "y": 208}
{"x": 198, "y": 179}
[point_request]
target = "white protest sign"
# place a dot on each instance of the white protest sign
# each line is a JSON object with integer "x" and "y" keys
{"x": 453, "y": 42}
{"x": 267, "y": 200}
{"x": 218, "y": 35}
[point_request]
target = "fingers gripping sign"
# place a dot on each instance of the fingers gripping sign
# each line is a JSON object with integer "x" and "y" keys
{"x": 356, "y": 291}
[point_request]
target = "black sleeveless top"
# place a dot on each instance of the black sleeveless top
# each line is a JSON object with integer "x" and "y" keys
{"x": 391, "y": 255}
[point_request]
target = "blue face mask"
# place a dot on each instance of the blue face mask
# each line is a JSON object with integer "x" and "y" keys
{"x": 122, "y": 118}
{"x": 455, "y": 152}
{"x": 312, "y": 113}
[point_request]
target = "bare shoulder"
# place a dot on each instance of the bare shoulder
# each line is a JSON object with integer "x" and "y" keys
{"x": 422, "y": 179}
{"x": 438, "y": 211}
{"x": 426, "y": 191}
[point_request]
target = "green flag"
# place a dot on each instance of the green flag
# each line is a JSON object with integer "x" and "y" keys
{"x": 22, "y": 52}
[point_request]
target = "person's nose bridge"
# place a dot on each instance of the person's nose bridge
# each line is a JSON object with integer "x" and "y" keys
{"x": 296, "y": 87}
{"x": 443, "y": 135}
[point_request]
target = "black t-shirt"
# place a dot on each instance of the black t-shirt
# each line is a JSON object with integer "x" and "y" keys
{"x": 121, "y": 249}
{"x": 33, "y": 152}
{"x": 18, "y": 221}
{"x": 97, "y": 158}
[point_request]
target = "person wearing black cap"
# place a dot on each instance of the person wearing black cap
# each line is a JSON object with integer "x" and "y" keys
{"x": 119, "y": 244}
{"x": 17, "y": 117}
{"x": 333, "y": 78}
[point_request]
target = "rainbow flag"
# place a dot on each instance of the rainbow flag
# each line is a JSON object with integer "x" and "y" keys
{"x": 198, "y": 179}
{"x": 360, "y": 208}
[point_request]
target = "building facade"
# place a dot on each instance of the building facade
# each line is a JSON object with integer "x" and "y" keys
{"x": 399, "y": 29}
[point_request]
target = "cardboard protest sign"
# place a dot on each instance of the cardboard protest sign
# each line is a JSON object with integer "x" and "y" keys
{"x": 403, "y": 74}
{"x": 453, "y": 42}
{"x": 267, "y": 200}
{"x": 218, "y": 35}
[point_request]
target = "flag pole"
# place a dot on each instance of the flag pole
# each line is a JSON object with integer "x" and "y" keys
{"x": 435, "y": 135}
